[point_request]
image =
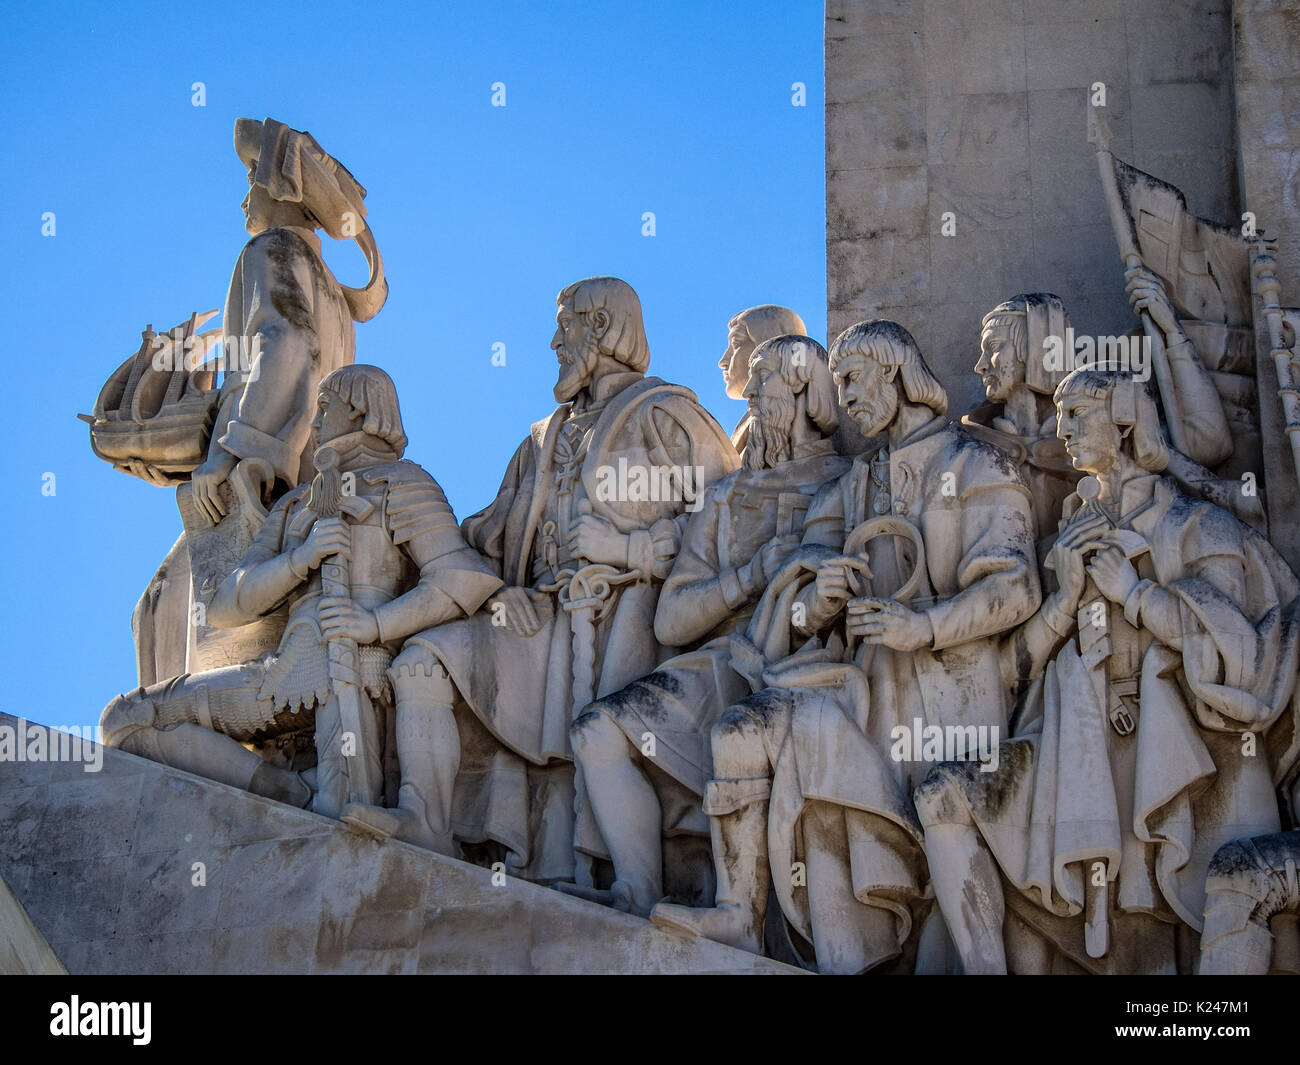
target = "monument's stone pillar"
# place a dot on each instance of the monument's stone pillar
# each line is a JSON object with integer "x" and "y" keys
{"x": 979, "y": 108}
{"x": 1267, "y": 62}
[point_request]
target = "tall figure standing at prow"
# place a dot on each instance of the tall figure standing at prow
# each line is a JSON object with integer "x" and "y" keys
{"x": 288, "y": 324}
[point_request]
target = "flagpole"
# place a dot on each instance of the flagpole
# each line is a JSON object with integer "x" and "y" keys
{"x": 1099, "y": 135}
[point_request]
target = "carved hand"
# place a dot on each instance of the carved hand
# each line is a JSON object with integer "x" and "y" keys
{"x": 889, "y": 622}
{"x": 771, "y": 557}
{"x": 328, "y": 536}
{"x": 832, "y": 587}
{"x": 342, "y": 618}
{"x": 596, "y": 540}
{"x": 207, "y": 479}
{"x": 515, "y": 607}
{"x": 1083, "y": 534}
{"x": 1114, "y": 574}
{"x": 1146, "y": 292}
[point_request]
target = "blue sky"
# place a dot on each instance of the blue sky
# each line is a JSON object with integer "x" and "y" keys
{"x": 482, "y": 214}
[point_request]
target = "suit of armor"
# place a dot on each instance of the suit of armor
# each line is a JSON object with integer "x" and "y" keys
{"x": 407, "y": 561}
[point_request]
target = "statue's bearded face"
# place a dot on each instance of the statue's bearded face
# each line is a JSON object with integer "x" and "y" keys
{"x": 1092, "y": 439}
{"x": 774, "y": 407}
{"x": 577, "y": 347}
{"x": 735, "y": 360}
{"x": 335, "y": 417}
{"x": 1001, "y": 367}
{"x": 867, "y": 392}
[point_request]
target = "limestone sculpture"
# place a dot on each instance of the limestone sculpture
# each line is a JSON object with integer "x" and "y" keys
{"x": 288, "y": 323}
{"x": 1251, "y": 884}
{"x": 1164, "y": 658}
{"x": 364, "y": 554}
{"x": 583, "y": 531}
{"x": 745, "y": 331}
{"x": 1019, "y": 417}
{"x": 805, "y": 762}
{"x": 1015, "y": 692}
{"x": 746, "y": 527}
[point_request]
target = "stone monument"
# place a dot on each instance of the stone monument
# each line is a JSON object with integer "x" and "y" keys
{"x": 996, "y": 674}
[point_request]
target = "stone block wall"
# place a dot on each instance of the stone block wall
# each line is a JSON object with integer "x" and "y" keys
{"x": 1267, "y": 65}
{"x": 979, "y": 107}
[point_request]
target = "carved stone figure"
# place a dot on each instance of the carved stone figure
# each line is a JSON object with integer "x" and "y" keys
{"x": 583, "y": 531}
{"x": 1160, "y": 664}
{"x": 288, "y": 324}
{"x": 363, "y": 555}
{"x": 1188, "y": 280}
{"x": 1019, "y": 416}
{"x": 810, "y": 762}
{"x": 1252, "y": 890}
{"x": 746, "y": 527}
{"x": 1252, "y": 887}
{"x": 746, "y": 331}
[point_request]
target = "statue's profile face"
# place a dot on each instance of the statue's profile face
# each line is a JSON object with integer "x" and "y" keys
{"x": 1092, "y": 439}
{"x": 335, "y": 416}
{"x": 867, "y": 393}
{"x": 775, "y": 407}
{"x": 735, "y": 360}
{"x": 257, "y": 208}
{"x": 577, "y": 347}
{"x": 1000, "y": 366}
{"x": 766, "y": 389}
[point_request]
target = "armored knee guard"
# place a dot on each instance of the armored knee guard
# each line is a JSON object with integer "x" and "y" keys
{"x": 1249, "y": 881}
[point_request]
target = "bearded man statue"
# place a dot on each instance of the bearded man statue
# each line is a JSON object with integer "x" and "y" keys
{"x": 745, "y": 332}
{"x": 583, "y": 532}
{"x": 644, "y": 750}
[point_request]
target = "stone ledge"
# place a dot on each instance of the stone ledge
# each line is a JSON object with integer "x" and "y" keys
{"x": 107, "y": 864}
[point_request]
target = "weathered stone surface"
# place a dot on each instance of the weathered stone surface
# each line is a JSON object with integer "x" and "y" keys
{"x": 23, "y": 950}
{"x": 982, "y": 103}
{"x": 104, "y": 864}
{"x": 1266, "y": 39}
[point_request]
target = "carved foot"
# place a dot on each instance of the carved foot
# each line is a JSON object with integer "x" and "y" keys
{"x": 618, "y": 897}
{"x": 282, "y": 785}
{"x": 381, "y": 823}
{"x": 733, "y": 925}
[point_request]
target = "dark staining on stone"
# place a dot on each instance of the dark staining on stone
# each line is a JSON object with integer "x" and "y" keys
{"x": 761, "y": 706}
{"x": 1016, "y": 760}
{"x": 283, "y": 249}
{"x": 995, "y": 455}
{"x": 1231, "y": 860}
{"x": 1024, "y": 664}
{"x": 990, "y": 793}
{"x": 644, "y": 698}
{"x": 397, "y": 889}
{"x": 936, "y": 803}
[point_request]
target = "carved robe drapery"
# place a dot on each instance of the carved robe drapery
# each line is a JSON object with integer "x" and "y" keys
{"x": 1210, "y": 695}
{"x": 518, "y": 692}
{"x": 284, "y": 298}
{"x": 980, "y": 577}
{"x": 681, "y": 700}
